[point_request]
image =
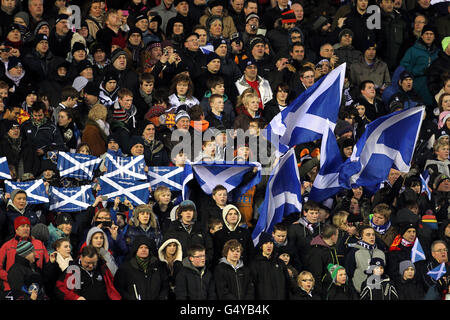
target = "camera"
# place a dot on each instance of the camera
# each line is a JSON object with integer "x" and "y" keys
{"x": 106, "y": 224}
{"x": 253, "y": 27}
{"x": 166, "y": 51}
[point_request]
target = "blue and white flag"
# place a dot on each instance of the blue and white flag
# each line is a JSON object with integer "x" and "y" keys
{"x": 4, "y": 169}
{"x": 425, "y": 178}
{"x": 77, "y": 165}
{"x": 207, "y": 49}
{"x": 437, "y": 272}
{"x": 388, "y": 142}
{"x": 305, "y": 118}
{"x": 171, "y": 177}
{"x": 135, "y": 191}
{"x": 326, "y": 183}
{"x": 229, "y": 174}
{"x": 417, "y": 253}
{"x": 71, "y": 199}
{"x": 34, "y": 189}
{"x": 282, "y": 195}
{"x": 125, "y": 168}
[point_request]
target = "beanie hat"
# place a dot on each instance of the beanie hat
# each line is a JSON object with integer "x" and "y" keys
{"x": 264, "y": 238}
{"x": 177, "y": 2}
{"x": 91, "y": 89}
{"x": 40, "y": 25}
{"x": 405, "y": 227}
{"x": 15, "y": 192}
{"x": 117, "y": 53}
{"x": 21, "y": 221}
{"x": 78, "y": 46}
{"x": 378, "y": 262}
{"x": 40, "y": 37}
{"x": 405, "y": 75}
{"x": 10, "y": 123}
{"x": 405, "y": 264}
{"x": 288, "y": 16}
{"x": 134, "y": 140}
{"x": 445, "y": 42}
{"x": 344, "y": 32}
{"x": 429, "y": 220}
{"x": 134, "y": 30}
{"x": 140, "y": 17}
{"x": 217, "y": 43}
{"x": 246, "y": 62}
{"x": 428, "y": 27}
{"x": 443, "y": 116}
{"x": 24, "y": 248}
{"x": 184, "y": 206}
{"x": 12, "y": 27}
{"x": 63, "y": 218}
{"x": 84, "y": 64}
{"x": 342, "y": 127}
{"x": 210, "y": 57}
{"x": 182, "y": 114}
{"x": 24, "y": 16}
{"x": 253, "y": 42}
{"x": 319, "y": 23}
{"x": 40, "y": 232}
{"x": 333, "y": 270}
{"x": 251, "y": 16}
{"x": 61, "y": 17}
{"x": 215, "y": 3}
{"x": 368, "y": 44}
{"x": 79, "y": 83}
{"x": 166, "y": 43}
{"x": 439, "y": 179}
{"x": 111, "y": 75}
{"x": 13, "y": 62}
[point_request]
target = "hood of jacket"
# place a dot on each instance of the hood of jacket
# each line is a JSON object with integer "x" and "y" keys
{"x": 187, "y": 263}
{"x": 224, "y": 215}
{"x": 239, "y": 265}
{"x": 91, "y": 233}
{"x": 318, "y": 241}
{"x": 178, "y": 255}
{"x": 140, "y": 240}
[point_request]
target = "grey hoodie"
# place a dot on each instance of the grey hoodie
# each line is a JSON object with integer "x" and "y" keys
{"x": 104, "y": 253}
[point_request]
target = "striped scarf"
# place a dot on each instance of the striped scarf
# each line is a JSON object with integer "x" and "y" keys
{"x": 143, "y": 263}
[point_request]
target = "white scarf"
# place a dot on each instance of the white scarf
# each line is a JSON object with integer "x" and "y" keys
{"x": 63, "y": 262}
{"x": 104, "y": 126}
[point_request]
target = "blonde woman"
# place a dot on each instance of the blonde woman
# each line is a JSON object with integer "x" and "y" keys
{"x": 144, "y": 223}
{"x": 305, "y": 287}
{"x": 96, "y": 130}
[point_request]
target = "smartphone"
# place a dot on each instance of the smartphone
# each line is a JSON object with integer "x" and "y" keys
{"x": 104, "y": 198}
{"x": 106, "y": 224}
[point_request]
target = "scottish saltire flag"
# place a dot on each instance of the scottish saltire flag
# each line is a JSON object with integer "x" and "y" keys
{"x": 326, "y": 183}
{"x": 305, "y": 118}
{"x": 388, "y": 142}
{"x": 207, "y": 49}
{"x": 35, "y": 190}
{"x": 417, "y": 253}
{"x": 229, "y": 174}
{"x": 125, "y": 168}
{"x": 77, "y": 165}
{"x": 71, "y": 199}
{"x": 437, "y": 272}
{"x": 135, "y": 191}
{"x": 171, "y": 177}
{"x": 4, "y": 169}
{"x": 282, "y": 195}
{"x": 424, "y": 179}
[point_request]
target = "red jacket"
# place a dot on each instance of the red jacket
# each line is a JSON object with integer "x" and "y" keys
{"x": 8, "y": 255}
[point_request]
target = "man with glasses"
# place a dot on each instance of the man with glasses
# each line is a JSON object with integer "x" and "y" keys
{"x": 87, "y": 279}
{"x": 195, "y": 281}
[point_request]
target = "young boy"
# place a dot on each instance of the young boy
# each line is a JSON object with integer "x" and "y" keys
{"x": 216, "y": 115}
{"x": 281, "y": 244}
{"x": 216, "y": 85}
{"x": 214, "y": 225}
{"x": 124, "y": 109}
{"x": 163, "y": 206}
{"x": 377, "y": 286}
{"x": 208, "y": 151}
{"x": 144, "y": 99}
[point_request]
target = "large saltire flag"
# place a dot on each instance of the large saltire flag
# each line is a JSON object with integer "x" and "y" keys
{"x": 34, "y": 189}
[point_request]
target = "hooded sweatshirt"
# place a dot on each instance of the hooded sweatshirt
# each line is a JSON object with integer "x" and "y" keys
{"x": 103, "y": 252}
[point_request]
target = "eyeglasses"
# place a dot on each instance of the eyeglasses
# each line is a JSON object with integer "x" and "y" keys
{"x": 307, "y": 280}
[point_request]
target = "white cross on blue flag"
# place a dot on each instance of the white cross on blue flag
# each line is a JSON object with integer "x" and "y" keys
{"x": 171, "y": 177}
{"x": 437, "y": 272}
{"x": 77, "y": 165}
{"x": 4, "y": 169}
{"x": 71, "y": 199}
{"x": 34, "y": 189}
{"x": 125, "y": 168}
{"x": 135, "y": 191}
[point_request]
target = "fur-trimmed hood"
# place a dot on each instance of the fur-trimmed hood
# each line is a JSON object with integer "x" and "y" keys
{"x": 224, "y": 216}
{"x": 179, "y": 254}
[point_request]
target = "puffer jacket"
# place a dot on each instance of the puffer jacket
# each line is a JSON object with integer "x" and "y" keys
{"x": 233, "y": 282}
{"x": 194, "y": 284}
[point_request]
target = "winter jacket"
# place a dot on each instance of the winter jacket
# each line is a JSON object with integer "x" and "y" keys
{"x": 300, "y": 294}
{"x": 46, "y": 137}
{"x": 270, "y": 278}
{"x": 94, "y": 136}
{"x": 385, "y": 291}
{"x": 134, "y": 283}
{"x": 22, "y": 274}
{"x": 171, "y": 269}
{"x": 318, "y": 258}
{"x": 155, "y": 154}
{"x": 359, "y": 25}
{"x": 12, "y": 213}
{"x": 378, "y": 72}
{"x": 233, "y": 282}
{"x": 300, "y": 236}
{"x": 410, "y": 289}
{"x": 39, "y": 66}
{"x": 8, "y": 255}
{"x": 264, "y": 88}
{"x": 347, "y": 54}
{"x": 95, "y": 285}
{"x": 416, "y": 60}
{"x": 357, "y": 262}
{"x": 135, "y": 231}
{"x": 238, "y": 233}
{"x": 194, "y": 284}
{"x": 343, "y": 292}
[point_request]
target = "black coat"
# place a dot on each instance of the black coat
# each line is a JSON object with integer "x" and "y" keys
{"x": 240, "y": 234}
{"x": 409, "y": 289}
{"x": 192, "y": 284}
{"x": 60, "y": 46}
{"x": 345, "y": 292}
{"x": 270, "y": 277}
{"x": 301, "y": 237}
{"x": 300, "y": 294}
{"x": 233, "y": 284}
{"x": 23, "y": 273}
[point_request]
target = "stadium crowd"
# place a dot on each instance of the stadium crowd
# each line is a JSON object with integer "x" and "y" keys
{"x": 126, "y": 76}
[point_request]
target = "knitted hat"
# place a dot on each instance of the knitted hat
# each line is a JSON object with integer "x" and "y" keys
{"x": 134, "y": 140}
{"x": 78, "y": 46}
{"x": 186, "y": 205}
{"x": 429, "y": 220}
{"x": 15, "y": 192}
{"x": 264, "y": 238}
{"x": 445, "y": 42}
{"x": 140, "y": 17}
{"x": 246, "y": 62}
{"x": 63, "y": 218}
{"x": 344, "y": 32}
{"x": 134, "y": 30}
{"x": 21, "y": 220}
{"x": 24, "y": 248}
{"x": 342, "y": 127}
{"x": 25, "y": 17}
{"x": 251, "y": 16}
{"x": 428, "y": 27}
{"x": 378, "y": 262}
{"x": 210, "y": 57}
{"x": 117, "y": 53}
{"x": 92, "y": 89}
{"x": 40, "y": 232}
{"x": 61, "y": 17}
{"x": 40, "y": 37}
{"x": 439, "y": 179}
{"x": 12, "y": 27}
{"x": 111, "y": 75}
{"x": 10, "y": 123}
{"x": 288, "y": 16}
{"x": 79, "y": 83}
{"x": 443, "y": 116}
{"x": 40, "y": 25}
{"x": 253, "y": 42}
{"x": 166, "y": 43}
{"x": 217, "y": 43}
{"x": 405, "y": 265}
{"x": 333, "y": 270}
{"x": 82, "y": 65}
{"x": 177, "y": 2}
{"x": 13, "y": 62}
{"x": 405, "y": 227}
{"x": 182, "y": 114}
{"x": 235, "y": 37}
{"x": 368, "y": 44}
{"x": 405, "y": 75}
{"x": 215, "y": 3}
